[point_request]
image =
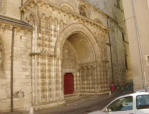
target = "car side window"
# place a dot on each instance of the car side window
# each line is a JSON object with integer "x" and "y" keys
{"x": 122, "y": 104}
{"x": 142, "y": 101}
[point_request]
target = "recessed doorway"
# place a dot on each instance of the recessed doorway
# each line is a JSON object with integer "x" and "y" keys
{"x": 68, "y": 83}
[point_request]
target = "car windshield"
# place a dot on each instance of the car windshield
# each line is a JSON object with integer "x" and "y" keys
{"x": 122, "y": 104}
{"x": 142, "y": 101}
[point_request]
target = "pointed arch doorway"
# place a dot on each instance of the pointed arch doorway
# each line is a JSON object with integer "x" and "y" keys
{"x": 79, "y": 54}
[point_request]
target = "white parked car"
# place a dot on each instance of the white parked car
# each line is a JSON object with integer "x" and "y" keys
{"x": 135, "y": 103}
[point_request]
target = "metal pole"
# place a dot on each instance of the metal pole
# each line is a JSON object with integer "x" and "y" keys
{"x": 139, "y": 44}
{"x": 12, "y": 55}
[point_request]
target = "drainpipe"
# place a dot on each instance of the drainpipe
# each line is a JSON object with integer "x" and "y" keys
{"x": 110, "y": 51}
{"x": 12, "y": 56}
{"x": 139, "y": 45}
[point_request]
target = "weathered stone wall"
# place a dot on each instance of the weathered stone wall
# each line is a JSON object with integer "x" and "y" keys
{"x": 119, "y": 56}
{"x": 5, "y": 68}
{"x": 39, "y": 61}
{"x": 22, "y": 67}
{"x": 136, "y": 19}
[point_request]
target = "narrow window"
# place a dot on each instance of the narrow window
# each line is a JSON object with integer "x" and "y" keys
{"x": 118, "y": 3}
{"x": 123, "y": 37}
{"x": 0, "y": 57}
{"x": 147, "y": 59}
{"x": 22, "y": 11}
{"x": 126, "y": 63}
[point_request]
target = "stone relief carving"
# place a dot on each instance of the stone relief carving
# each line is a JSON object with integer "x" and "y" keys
{"x": 82, "y": 10}
{"x": 66, "y": 7}
{"x": 19, "y": 94}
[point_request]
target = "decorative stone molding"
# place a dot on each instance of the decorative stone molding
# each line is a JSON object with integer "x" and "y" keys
{"x": 83, "y": 11}
{"x": 54, "y": 8}
{"x": 66, "y": 7}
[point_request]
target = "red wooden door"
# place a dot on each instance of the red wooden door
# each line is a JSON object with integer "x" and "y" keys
{"x": 68, "y": 83}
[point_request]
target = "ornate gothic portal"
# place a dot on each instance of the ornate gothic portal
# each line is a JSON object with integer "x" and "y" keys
{"x": 60, "y": 49}
{"x": 68, "y": 54}
{"x": 78, "y": 59}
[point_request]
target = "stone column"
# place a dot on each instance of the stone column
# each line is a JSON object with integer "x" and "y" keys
{"x": 53, "y": 79}
{"x": 89, "y": 79}
{"x": 47, "y": 79}
{"x": 79, "y": 80}
{"x": 35, "y": 68}
{"x": 59, "y": 78}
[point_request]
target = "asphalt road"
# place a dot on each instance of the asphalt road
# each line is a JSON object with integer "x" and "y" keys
{"x": 89, "y": 105}
{"x": 79, "y": 106}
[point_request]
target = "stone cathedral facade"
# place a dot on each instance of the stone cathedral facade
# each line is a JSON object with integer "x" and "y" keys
{"x": 57, "y": 49}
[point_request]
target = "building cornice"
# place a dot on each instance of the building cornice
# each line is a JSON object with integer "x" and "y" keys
{"x": 15, "y": 22}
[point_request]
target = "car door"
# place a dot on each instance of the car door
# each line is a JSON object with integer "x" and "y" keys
{"x": 122, "y": 105}
{"x": 142, "y": 104}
